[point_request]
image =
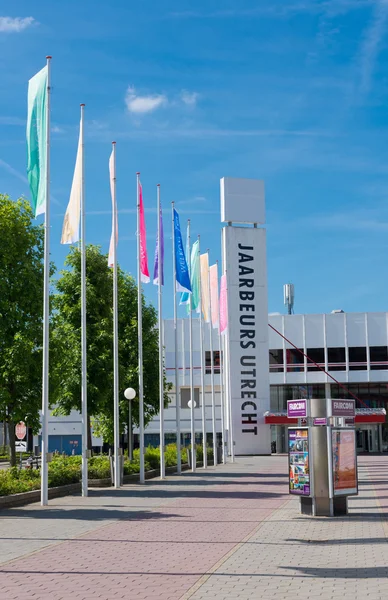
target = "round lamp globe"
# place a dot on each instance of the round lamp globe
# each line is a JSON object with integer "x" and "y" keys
{"x": 130, "y": 393}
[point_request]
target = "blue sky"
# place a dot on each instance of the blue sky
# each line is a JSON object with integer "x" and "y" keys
{"x": 294, "y": 93}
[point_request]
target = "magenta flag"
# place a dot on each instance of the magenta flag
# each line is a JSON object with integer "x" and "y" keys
{"x": 145, "y": 275}
{"x": 223, "y": 306}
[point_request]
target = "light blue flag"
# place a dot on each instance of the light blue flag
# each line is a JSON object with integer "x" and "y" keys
{"x": 182, "y": 283}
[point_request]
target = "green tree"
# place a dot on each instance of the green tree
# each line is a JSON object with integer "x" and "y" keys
{"x": 66, "y": 342}
{"x": 21, "y": 309}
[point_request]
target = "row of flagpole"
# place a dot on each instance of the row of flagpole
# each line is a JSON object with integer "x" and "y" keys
{"x": 192, "y": 277}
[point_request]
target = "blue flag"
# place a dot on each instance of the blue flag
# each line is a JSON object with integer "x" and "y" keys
{"x": 182, "y": 283}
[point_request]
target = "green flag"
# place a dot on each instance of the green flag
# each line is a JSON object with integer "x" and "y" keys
{"x": 37, "y": 140}
{"x": 194, "y": 277}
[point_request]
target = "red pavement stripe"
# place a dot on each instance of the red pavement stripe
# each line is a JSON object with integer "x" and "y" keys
{"x": 148, "y": 559}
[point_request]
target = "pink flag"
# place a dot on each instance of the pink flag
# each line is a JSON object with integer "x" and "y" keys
{"x": 223, "y": 306}
{"x": 145, "y": 275}
{"x": 214, "y": 294}
{"x": 115, "y": 227}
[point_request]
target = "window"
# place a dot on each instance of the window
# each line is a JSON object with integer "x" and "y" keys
{"x": 295, "y": 360}
{"x": 185, "y": 397}
{"x": 318, "y": 356}
{"x": 336, "y": 359}
{"x": 357, "y": 359}
{"x": 216, "y": 362}
{"x": 276, "y": 361}
{"x": 378, "y": 358}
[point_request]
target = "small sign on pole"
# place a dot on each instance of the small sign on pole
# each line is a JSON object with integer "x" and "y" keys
{"x": 296, "y": 408}
{"x": 20, "y": 430}
{"x": 21, "y": 446}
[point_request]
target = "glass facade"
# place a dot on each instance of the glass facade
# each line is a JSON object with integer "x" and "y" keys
{"x": 336, "y": 358}
{"x": 357, "y": 359}
{"x": 216, "y": 362}
{"x": 378, "y": 358}
{"x": 185, "y": 396}
{"x": 281, "y": 393}
{"x": 317, "y": 355}
{"x": 276, "y": 361}
{"x": 372, "y": 395}
{"x": 295, "y": 360}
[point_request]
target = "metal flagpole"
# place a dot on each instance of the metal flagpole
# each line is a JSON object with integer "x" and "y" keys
{"x": 192, "y": 414}
{"x": 221, "y": 383}
{"x": 115, "y": 333}
{"x": 84, "y": 385}
{"x": 203, "y": 393}
{"x": 212, "y": 377}
{"x": 46, "y": 307}
{"x": 229, "y": 391}
{"x": 140, "y": 339}
{"x": 177, "y": 389}
{"x": 161, "y": 386}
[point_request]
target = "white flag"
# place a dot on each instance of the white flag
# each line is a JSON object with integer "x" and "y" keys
{"x": 70, "y": 230}
{"x": 112, "y": 175}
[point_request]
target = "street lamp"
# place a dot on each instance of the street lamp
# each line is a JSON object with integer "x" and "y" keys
{"x": 130, "y": 395}
{"x": 189, "y": 404}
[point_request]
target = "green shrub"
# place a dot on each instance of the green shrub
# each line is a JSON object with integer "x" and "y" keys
{"x": 99, "y": 467}
{"x": 64, "y": 470}
{"x": 170, "y": 455}
{"x": 151, "y": 457}
{"x": 14, "y": 481}
{"x": 199, "y": 452}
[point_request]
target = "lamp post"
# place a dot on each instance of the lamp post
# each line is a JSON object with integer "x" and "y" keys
{"x": 130, "y": 395}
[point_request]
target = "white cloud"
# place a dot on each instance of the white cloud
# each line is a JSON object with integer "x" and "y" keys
{"x": 15, "y": 24}
{"x": 143, "y": 104}
{"x": 13, "y": 171}
{"x": 12, "y": 121}
{"x": 189, "y": 98}
{"x": 56, "y": 129}
{"x": 371, "y": 44}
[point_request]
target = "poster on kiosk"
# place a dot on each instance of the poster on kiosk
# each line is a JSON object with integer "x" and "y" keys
{"x": 344, "y": 460}
{"x": 299, "y": 461}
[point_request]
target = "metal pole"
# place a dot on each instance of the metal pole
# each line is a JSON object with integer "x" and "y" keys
{"x": 84, "y": 389}
{"x": 177, "y": 389}
{"x": 140, "y": 340}
{"x": 192, "y": 413}
{"x": 160, "y": 309}
{"x": 130, "y": 457}
{"x": 222, "y": 397}
{"x": 212, "y": 377}
{"x": 221, "y": 380}
{"x": 203, "y": 392}
{"x": 46, "y": 307}
{"x": 115, "y": 333}
{"x": 229, "y": 392}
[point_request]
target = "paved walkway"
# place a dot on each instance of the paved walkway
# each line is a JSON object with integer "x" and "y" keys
{"x": 228, "y": 533}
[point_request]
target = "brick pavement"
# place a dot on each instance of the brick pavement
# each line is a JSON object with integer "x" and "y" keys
{"x": 228, "y": 533}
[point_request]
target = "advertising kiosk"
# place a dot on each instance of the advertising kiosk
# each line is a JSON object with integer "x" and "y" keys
{"x": 322, "y": 455}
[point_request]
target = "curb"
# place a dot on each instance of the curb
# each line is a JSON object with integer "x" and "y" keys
{"x": 74, "y": 488}
{"x": 34, "y": 496}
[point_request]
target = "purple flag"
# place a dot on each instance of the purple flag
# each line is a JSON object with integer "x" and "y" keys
{"x": 159, "y": 264}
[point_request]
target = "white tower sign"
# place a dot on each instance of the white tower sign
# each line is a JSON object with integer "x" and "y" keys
{"x": 247, "y": 355}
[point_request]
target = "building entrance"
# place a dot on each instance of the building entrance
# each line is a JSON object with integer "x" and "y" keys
{"x": 368, "y": 438}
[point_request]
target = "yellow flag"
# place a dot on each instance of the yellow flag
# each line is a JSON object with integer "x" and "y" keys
{"x": 70, "y": 230}
{"x": 205, "y": 287}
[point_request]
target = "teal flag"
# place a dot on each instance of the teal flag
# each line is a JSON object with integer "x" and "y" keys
{"x": 194, "y": 277}
{"x": 37, "y": 140}
{"x": 194, "y": 280}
